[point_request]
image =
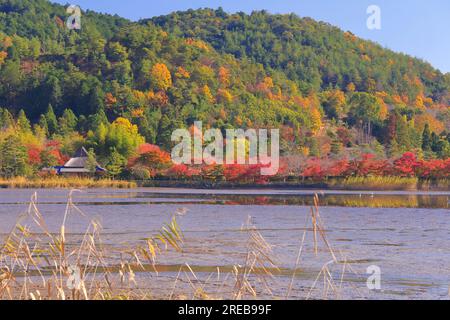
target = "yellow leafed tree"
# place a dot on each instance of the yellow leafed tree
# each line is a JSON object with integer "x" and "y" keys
{"x": 160, "y": 77}
{"x": 316, "y": 121}
{"x": 207, "y": 94}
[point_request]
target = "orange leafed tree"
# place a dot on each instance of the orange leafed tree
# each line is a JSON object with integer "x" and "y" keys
{"x": 351, "y": 87}
{"x": 222, "y": 114}
{"x": 150, "y": 157}
{"x": 182, "y": 73}
{"x": 6, "y": 42}
{"x": 224, "y": 76}
{"x": 422, "y": 119}
{"x": 110, "y": 100}
{"x": 161, "y": 99}
{"x": 3, "y": 56}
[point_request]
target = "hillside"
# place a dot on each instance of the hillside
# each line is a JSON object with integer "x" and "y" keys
{"x": 39, "y": 18}
{"x": 330, "y": 93}
{"x": 314, "y": 54}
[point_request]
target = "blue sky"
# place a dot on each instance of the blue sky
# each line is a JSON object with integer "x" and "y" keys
{"x": 417, "y": 27}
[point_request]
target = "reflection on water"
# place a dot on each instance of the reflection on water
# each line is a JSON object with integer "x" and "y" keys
{"x": 341, "y": 200}
{"x": 329, "y": 198}
{"x": 406, "y": 234}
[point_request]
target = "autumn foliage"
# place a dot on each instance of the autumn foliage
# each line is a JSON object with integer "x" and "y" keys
{"x": 151, "y": 158}
{"x": 368, "y": 165}
{"x": 160, "y": 77}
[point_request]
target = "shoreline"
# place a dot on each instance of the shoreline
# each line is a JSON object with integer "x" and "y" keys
{"x": 294, "y": 185}
{"x": 350, "y": 184}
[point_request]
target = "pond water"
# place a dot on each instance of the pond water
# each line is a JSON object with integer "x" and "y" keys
{"x": 406, "y": 235}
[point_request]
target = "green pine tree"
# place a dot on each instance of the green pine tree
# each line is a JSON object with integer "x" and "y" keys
{"x": 426, "y": 138}
{"x": 67, "y": 123}
{"x": 43, "y": 124}
{"x": 91, "y": 163}
{"x": 116, "y": 163}
{"x": 13, "y": 158}
{"x": 52, "y": 122}
{"x": 6, "y": 119}
{"x": 23, "y": 124}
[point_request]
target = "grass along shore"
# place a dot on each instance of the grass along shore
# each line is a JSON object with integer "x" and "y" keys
{"x": 376, "y": 183}
{"x": 349, "y": 183}
{"x": 65, "y": 182}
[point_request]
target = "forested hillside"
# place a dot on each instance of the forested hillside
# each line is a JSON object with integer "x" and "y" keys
{"x": 314, "y": 54}
{"x": 115, "y": 85}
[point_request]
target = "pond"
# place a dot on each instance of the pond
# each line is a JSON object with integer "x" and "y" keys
{"x": 404, "y": 234}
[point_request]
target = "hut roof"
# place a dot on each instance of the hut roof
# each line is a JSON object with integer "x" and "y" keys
{"x": 78, "y": 164}
{"x": 79, "y": 160}
{"x": 81, "y": 153}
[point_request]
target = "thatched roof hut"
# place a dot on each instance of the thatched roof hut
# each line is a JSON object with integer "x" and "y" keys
{"x": 78, "y": 164}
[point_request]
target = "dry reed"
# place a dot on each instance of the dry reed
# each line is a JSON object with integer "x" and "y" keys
{"x": 64, "y": 182}
{"x": 38, "y": 264}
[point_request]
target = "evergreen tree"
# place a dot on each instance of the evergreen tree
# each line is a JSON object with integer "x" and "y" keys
{"x": 402, "y": 134}
{"x": 95, "y": 101}
{"x": 164, "y": 135}
{"x": 13, "y": 158}
{"x": 67, "y": 123}
{"x": 445, "y": 150}
{"x": 435, "y": 142}
{"x": 426, "y": 138}
{"x": 43, "y": 123}
{"x": 97, "y": 119}
{"x": 23, "y": 124}
{"x": 116, "y": 163}
{"x": 52, "y": 122}
{"x": 314, "y": 149}
{"x": 6, "y": 119}
{"x": 91, "y": 163}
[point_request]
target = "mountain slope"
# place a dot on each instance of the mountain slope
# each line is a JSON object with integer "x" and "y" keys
{"x": 315, "y": 54}
{"x": 36, "y": 18}
{"x": 328, "y": 91}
